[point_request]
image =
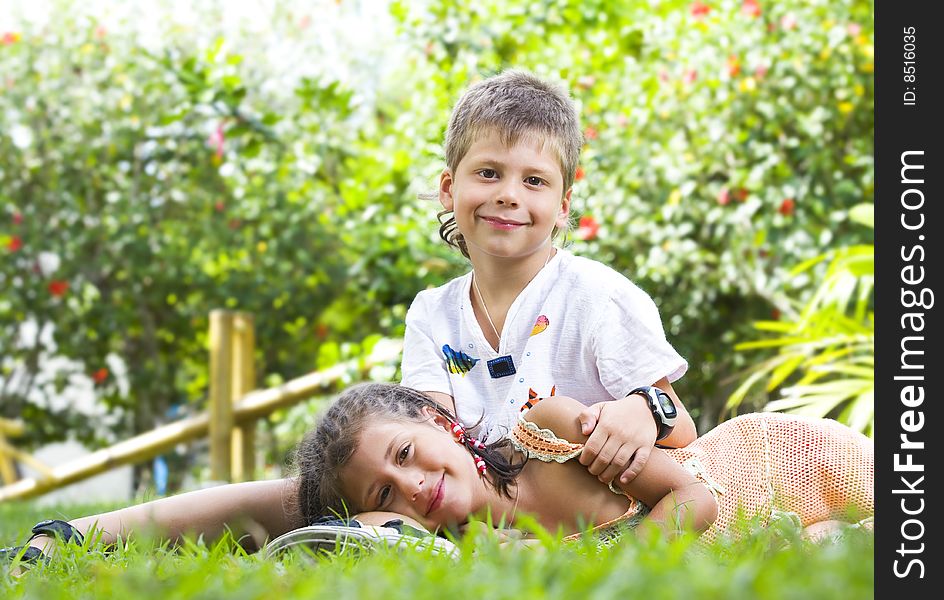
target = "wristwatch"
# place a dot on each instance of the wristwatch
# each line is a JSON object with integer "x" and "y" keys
{"x": 662, "y": 407}
{"x": 53, "y": 528}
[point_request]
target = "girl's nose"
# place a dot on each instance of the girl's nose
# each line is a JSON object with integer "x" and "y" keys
{"x": 411, "y": 484}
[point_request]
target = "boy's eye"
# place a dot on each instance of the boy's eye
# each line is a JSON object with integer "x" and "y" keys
{"x": 488, "y": 173}
{"x": 534, "y": 181}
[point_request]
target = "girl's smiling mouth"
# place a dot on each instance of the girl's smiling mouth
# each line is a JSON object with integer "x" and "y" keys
{"x": 438, "y": 495}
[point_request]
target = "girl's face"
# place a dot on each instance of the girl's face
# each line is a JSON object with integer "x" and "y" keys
{"x": 414, "y": 469}
{"x": 506, "y": 200}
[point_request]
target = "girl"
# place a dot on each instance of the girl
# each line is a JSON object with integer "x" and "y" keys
{"x": 384, "y": 448}
{"x": 529, "y": 319}
{"x": 387, "y": 448}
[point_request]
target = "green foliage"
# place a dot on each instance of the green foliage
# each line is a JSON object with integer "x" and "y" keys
{"x": 159, "y": 186}
{"x": 768, "y": 564}
{"x": 722, "y": 146}
{"x": 827, "y": 353}
{"x": 725, "y": 141}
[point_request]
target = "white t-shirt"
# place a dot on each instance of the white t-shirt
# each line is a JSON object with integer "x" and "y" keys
{"x": 579, "y": 329}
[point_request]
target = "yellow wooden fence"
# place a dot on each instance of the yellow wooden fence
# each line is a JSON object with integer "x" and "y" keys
{"x": 229, "y": 421}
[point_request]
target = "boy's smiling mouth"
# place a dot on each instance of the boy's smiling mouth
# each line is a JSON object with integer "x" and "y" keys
{"x": 499, "y": 223}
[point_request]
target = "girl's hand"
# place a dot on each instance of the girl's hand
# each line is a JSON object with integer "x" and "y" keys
{"x": 478, "y": 528}
{"x": 378, "y": 518}
{"x": 505, "y": 536}
{"x": 622, "y": 435}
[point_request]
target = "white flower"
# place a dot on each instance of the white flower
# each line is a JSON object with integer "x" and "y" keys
{"x": 22, "y": 136}
{"x": 48, "y": 263}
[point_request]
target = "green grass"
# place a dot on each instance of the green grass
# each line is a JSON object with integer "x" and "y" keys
{"x": 767, "y": 564}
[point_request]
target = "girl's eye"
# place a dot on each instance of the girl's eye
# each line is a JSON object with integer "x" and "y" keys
{"x": 384, "y": 494}
{"x": 404, "y": 453}
{"x": 488, "y": 173}
{"x": 534, "y": 180}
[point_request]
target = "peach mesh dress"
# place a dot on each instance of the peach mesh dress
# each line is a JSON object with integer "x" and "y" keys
{"x": 766, "y": 465}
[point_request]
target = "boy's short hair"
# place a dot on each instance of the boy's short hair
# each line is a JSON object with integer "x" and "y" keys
{"x": 514, "y": 104}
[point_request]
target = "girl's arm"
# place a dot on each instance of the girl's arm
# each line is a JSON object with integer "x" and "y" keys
{"x": 678, "y": 500}
{"x": 261, "y": 509}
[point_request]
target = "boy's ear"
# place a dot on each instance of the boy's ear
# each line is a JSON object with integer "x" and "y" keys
{"x": 564, "y": 213}
{"x": 445, "y": 189}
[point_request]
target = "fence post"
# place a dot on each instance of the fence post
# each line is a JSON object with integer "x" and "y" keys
{"x": 8, "y": 473}
{"x": 7, "y": 468}
{"x": 232, "y": 376}
{"x": 221, "y": 394}
{"x": 244, "y": 381}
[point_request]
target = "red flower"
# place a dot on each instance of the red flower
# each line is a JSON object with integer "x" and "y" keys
{"x": 751, "y": 8}
{"x": 14, "y": 244}
{"x": 742, "y": 194}
{"x": 58, "y": 287}
{"x": 100, "y": 375}
{"x": 578, "y": 175}
{"x": 734, "y": 65}
{"x": 322, "y": 330}
{"x": 100, "y": 32}
{"x": 690, "y": 76}
{"x": 17, "y": 218}
{"x": 219, "y": 206}
{"x": 587, "y": 230}
{"x": 723, "y": 197}
{"x": 787, "y": 207}
{"x": 775, "y": 314}
{"x": 699, "y": 9}
{"x": 760, "y": 72}
{"x": 590, "y": 133}
{"x": 9, "y": 38}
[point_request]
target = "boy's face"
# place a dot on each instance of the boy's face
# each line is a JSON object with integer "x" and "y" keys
{"x": 506, "y": 200}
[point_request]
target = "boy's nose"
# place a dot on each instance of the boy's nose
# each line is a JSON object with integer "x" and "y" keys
{"x": 507, "y": 194}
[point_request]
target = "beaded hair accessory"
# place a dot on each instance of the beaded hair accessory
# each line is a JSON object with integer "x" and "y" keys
{"x": 472, "y": 444}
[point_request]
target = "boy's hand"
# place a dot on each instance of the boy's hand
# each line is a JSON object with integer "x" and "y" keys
{"x": 622, "y": 434}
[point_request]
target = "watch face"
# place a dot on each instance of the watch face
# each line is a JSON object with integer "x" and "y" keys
{"x": 667, "y": 406}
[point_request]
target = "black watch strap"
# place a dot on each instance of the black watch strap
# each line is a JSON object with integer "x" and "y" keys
{"x": 53, "y": 528}
{"x": 58, "y": 529}
{"x": 30, "y": 555}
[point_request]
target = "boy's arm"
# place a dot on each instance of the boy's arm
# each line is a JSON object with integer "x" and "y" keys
{"x": 684, "y": 432}
{"x": 678, "y": 500}
{"x": 262, "y": 509}
{"x": 623, "y": 433}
